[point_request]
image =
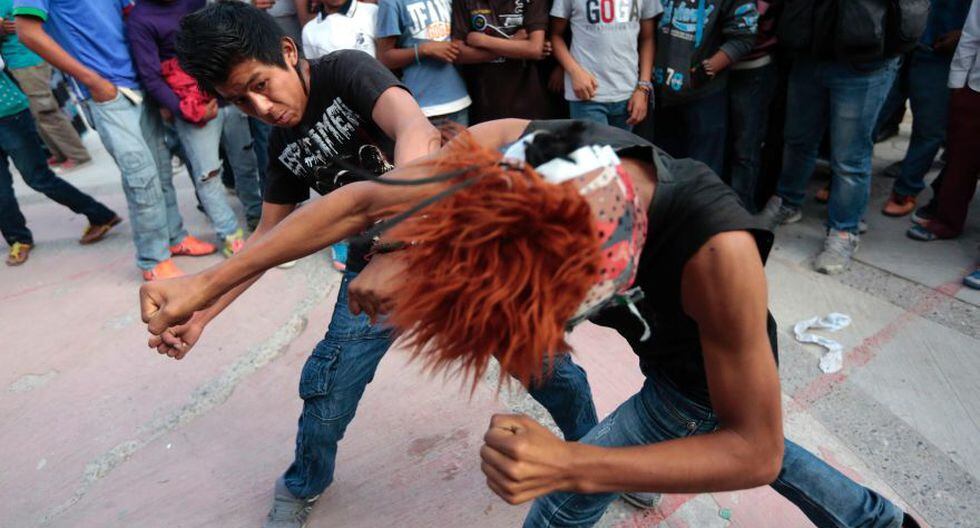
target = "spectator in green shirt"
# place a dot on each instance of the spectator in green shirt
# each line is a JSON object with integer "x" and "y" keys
{"x": 34, "y": 77}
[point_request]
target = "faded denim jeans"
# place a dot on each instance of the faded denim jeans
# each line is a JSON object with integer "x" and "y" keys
{"x": 201, "y": 145}
{"x": 659, "y": 412}
{"x": 847, "y": 99}
{"x": 134, "y": 136}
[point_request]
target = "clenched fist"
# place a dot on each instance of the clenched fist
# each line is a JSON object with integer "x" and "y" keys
{"x": 523, "y": 460}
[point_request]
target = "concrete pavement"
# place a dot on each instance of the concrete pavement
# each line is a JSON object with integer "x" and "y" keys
{"x": 98, "y": 431}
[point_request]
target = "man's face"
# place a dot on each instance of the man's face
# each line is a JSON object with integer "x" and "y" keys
{"x": 272, "y": 94}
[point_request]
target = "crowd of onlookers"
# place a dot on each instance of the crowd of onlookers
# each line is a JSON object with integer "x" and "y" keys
{"x": 758, "y": 90}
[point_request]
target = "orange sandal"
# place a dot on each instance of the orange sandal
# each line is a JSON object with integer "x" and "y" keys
{"x": 93, "y": 233}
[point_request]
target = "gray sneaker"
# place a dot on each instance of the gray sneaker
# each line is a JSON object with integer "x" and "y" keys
{"x": 642, "y": 500}
{"x": 777, "y": 213}
{"x": 838, "y": 248}
{"x": 288, "y": 511}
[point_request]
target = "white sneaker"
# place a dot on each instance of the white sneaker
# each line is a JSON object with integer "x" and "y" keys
{"x": 838, "y": 249}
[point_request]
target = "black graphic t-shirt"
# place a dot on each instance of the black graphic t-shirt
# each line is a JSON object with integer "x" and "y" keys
{"x": 337, "y": 126}
{"x": 504, "y": 87}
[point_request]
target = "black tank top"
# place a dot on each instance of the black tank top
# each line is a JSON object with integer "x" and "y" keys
{"x": 690, "y": 205}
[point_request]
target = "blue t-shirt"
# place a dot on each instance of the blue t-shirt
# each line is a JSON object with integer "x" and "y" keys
{"x": 436, "y": 85}
{"x": 89, "y": 30}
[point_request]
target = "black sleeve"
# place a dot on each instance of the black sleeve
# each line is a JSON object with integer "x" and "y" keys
{"x": 281, "y": 185}
{"x": 359, "y": 77}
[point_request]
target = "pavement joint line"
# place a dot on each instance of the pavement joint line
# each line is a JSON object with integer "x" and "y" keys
{"x": 213, "y": 392}
{"x": 68, "y": 278}
{"x": 862, "y": 354}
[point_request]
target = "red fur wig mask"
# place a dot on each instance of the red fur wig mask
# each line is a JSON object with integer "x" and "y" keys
{"x": 496, "y": 268}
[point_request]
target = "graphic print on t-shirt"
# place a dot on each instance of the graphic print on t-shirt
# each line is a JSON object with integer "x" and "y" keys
{"x": 314, "y": 156}
{"x": 611, "y": 11}
{"x": 430, "y": 19}
{"x": 503, "y": 25}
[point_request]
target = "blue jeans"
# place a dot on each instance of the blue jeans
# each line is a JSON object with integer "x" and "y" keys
{"x": 696, "y": 129}
{"x": 134, "y": 137}
{"x": 200, "y": 144}
{"x": 260, "y": 135}
{"x": 240, "y": 147}
{"x": 612, "y": 114}
{"x": 342, "y": 365}
{"x": 658, "y": 412}
{"x": 893, "y": 110}
{"x": 750, "y": 93}
{"x": 929, "y": 100}
{"x": 19, "y": 140}
{"x": 848, "y": 99}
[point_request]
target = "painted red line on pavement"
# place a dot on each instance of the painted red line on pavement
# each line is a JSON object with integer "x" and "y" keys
{"x": 668, "y": 506}
{"x": 864, "y": 352}
{"x": 73, "y": 277}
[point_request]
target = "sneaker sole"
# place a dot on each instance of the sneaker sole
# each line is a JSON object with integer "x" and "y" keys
{"x": 831, "y": 270}
{"x": 793, "y": 219}
{"x": 919, "y": 220}
{"x": 628, "y": 499}
{"x": 893, "y": 214}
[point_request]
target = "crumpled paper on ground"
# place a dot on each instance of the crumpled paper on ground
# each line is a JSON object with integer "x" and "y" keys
{"x": 833, "y": 359}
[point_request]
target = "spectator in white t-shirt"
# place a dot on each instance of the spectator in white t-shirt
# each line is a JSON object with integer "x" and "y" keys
{"x": 340, "y": 24}
{"x": 609, "y": 67}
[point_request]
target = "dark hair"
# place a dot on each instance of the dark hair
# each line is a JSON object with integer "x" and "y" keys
{"x": 547, "y": 146}
{"x": 213, "y": 40}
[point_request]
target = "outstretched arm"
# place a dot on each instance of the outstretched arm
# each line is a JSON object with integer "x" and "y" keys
{"x": 178, "y": 340}
{"x": 327, "y": 220}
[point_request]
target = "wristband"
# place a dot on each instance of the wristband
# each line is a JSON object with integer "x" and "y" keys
{"x": 645, "y": 86}
{"x": 416, "y": 48}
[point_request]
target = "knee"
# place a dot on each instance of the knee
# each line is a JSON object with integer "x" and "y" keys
{"x": 40, "y": 180}
{"x": 210, "y": 177}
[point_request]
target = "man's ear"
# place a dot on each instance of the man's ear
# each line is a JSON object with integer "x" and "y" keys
{"x": 289, "y": 51}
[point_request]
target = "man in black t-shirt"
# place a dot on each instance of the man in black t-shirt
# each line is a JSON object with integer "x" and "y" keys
{"x": 345, "y": 109}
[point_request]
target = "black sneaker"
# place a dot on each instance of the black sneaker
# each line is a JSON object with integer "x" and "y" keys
{"x": 909, "y": 522}
{"x": 288, "y": 511}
